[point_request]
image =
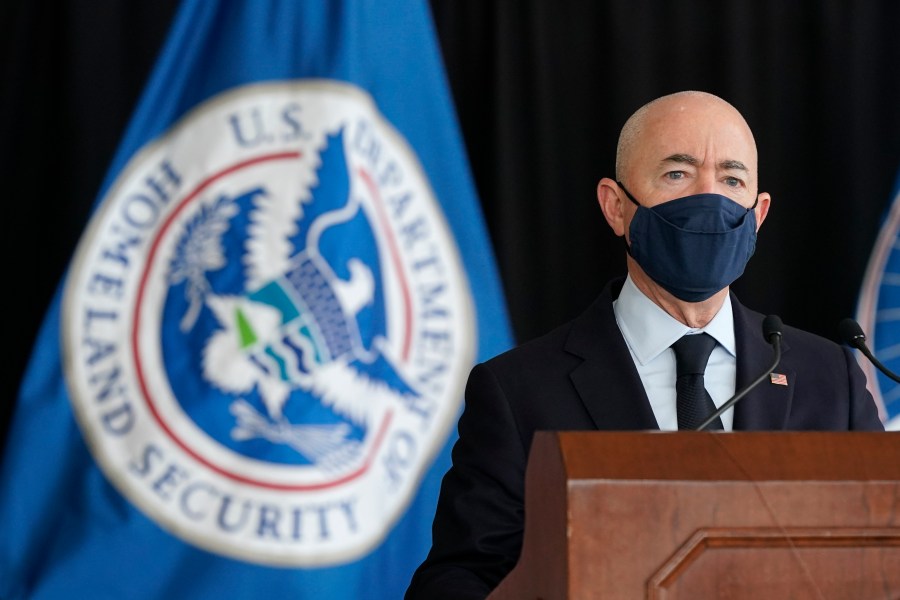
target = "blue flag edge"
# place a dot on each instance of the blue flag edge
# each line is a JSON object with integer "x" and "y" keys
{"x": 867, "y": 302}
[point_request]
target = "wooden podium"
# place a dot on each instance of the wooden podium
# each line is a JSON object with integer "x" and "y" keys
{"x": 710, "y": 515}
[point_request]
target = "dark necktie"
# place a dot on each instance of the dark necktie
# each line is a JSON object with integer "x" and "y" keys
{"x": 693, "y": 402}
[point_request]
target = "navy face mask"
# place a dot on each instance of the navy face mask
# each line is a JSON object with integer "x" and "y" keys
{"x": 693, "y": 246}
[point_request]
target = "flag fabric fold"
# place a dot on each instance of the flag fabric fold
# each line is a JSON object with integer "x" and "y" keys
{"x": 248, "y": 382}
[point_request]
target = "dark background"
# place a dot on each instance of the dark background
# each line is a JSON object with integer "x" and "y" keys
{"x": 542, "y": 89}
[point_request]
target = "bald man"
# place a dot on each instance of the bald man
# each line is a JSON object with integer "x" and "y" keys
{"x": 687, "y": 202}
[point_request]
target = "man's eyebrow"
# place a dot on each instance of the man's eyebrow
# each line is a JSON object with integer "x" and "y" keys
{"x": 682, "y": 158}
{"x": 731, "y": 165}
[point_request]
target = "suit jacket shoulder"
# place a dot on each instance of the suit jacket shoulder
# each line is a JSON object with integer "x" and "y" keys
{"x": 822, "y": 387}
{"x": 578, "y": 376}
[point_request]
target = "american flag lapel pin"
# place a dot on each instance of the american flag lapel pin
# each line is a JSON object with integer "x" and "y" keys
{"x": 778, "y": 378}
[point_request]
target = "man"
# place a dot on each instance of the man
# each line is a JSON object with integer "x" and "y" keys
{"x": 687, "y": 203}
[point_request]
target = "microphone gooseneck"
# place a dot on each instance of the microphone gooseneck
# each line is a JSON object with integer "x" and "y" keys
{"x": 771, "y": 329}
{"x": 852, "y": 335}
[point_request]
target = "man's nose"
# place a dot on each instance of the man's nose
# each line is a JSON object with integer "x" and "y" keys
{"x": 706, "y": 182}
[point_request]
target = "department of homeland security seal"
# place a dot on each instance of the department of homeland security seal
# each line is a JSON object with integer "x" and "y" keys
{"x": 267, "y": 326}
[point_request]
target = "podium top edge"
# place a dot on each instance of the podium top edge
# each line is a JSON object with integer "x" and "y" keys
{"x": 705, "y": 456}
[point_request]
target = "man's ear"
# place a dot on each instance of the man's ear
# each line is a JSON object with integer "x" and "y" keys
{"x": 611, "y": 204}
{"x": 762, "y": 209}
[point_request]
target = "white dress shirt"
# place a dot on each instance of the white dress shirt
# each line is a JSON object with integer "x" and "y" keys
{"x": 649, "y": 331}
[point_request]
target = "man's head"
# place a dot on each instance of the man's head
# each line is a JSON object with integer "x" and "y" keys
{"x": 676, "y": 146}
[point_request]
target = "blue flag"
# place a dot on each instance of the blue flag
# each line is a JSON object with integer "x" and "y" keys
{"x": 248, "y": 383}
{"x": 878, "y": 313}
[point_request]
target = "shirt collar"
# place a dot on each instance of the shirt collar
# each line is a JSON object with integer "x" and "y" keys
{"x": 649, "y": 330}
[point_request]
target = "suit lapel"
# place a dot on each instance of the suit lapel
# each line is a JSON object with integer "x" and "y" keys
{"x": 607, "y": 381}
{"x": 768, "y": 405}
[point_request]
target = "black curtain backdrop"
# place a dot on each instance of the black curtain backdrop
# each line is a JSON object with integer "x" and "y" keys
{"x": 542, "y": 89}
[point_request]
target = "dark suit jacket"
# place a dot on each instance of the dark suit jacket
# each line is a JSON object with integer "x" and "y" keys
{"x": 580, "y": 377}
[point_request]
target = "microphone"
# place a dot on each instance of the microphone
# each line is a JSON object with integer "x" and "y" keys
{"x": 852, "y": 334}
{"x": 771, "y": 328}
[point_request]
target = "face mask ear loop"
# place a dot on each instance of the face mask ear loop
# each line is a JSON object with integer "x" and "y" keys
{"x": 627, "y": 247}
{"x": 628, "y": 194}
{"x": 635, "y": 202}
{"x": 749, "y": 209}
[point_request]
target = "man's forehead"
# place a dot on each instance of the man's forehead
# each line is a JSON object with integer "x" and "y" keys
{"x": 726, "y": 143}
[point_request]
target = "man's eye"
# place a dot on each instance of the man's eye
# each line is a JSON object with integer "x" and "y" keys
{"x": 733, "y": 181}
{"x": 675, "y": 175}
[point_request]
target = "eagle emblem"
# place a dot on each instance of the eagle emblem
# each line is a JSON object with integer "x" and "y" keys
{"x": 293, "y": 338}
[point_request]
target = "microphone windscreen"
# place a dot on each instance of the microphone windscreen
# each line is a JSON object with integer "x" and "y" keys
{"x": 771, "y": 326}
{"x": 850, "y": 332}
